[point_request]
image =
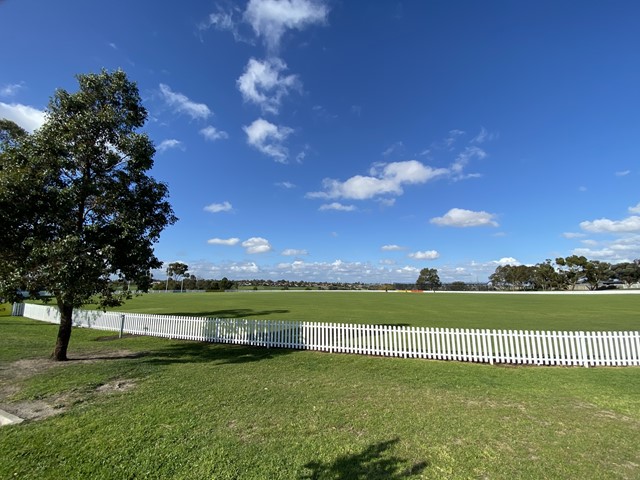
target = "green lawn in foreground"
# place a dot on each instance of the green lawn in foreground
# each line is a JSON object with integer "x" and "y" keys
{"x": 199, "y": 411}
{"x": 519, "y": 312}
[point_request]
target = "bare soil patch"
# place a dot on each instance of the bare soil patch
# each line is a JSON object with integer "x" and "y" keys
{"x": 116, "y": 386}
{"x": 12, "y": 374}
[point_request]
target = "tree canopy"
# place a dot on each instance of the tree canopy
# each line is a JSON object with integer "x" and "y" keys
{"x": 177, "y": 269}
{"x": 567, "y": 273}
{"x": 428, "y": 279}
{"x": 76, "y": 203}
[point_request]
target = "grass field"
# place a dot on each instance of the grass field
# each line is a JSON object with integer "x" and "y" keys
{"x": 142, "y": 407}
{"x": 5, "y": 309}
{"x": 150, "y": 408}
{"x": 522, "y": 312}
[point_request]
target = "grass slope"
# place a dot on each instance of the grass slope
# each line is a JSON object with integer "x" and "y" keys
{"x": 516, "y": 312}
{"x": 231, "y": 412}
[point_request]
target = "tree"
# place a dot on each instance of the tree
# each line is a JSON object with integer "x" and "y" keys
{"x": 513, "y": 277}
{"x": 573, "y": 269}
{"x": 76, "y": 205}
{"x": 499, "y": 278}
{"x": 458, "y": 286}
{"x": 10, "y": 134}
{"x": 545, "y": 276}
{"x": 597, "y": 272}
{"x": 627, "y": 272}
{"x": 225, "y": 284}
{"x": 428, "y": 279}
{"x": 178, "y": 269}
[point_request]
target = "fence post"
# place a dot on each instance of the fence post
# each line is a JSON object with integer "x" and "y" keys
{"x": 584, "y": 356}
{"x": 121, "y": 325}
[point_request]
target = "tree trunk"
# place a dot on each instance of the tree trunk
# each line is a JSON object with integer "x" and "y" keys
{"x": 64, "y": 332}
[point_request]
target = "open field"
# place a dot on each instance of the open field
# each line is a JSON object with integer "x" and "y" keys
{"x": 142, "y": 407}
{"x": 5, "y": 309}
{"x": 520, "y": 312}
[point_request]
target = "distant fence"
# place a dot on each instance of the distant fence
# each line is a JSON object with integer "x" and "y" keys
{"x": 471, "y": 345}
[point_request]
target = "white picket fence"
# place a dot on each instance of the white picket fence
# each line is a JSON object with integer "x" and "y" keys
{"x": 471, "y": 345}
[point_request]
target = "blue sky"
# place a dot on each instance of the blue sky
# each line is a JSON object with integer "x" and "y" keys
{"x": 362, "y": 141}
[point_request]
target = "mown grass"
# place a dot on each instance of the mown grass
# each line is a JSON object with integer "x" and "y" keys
{"x": 5, "y": 309}
{"x": 232, "y": 412}
{"x": 521, "y": 312}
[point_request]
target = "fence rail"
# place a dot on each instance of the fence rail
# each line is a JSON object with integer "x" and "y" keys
{"x": 472, "y": 345}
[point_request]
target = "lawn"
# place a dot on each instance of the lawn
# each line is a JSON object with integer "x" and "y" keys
{"x": 141, "y": 407}
{"x": 516, "y": 312}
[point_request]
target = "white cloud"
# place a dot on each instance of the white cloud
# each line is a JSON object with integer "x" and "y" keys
{"x": 397, "y": 147}
{"x": 623, "y": 249}
{"x": 262, "y": 83}
{"x": 427, "y": 255}
{"x": 295, "y": 265}
{"x": 243, "y": 268}
{"x": 483, "y": 136}
{"x": 344, "y": 271}
{"x": 391, "y": 248}
{"x": 27, "y": 117}
{"x": 385, "y": 271}
{"x": 623, "y": 173}
{"x": 268, "y": 139}
{"x": 590, "y": 243}
{"x": 257, "y": 245}
{"x": 337, "y": 206}
{"x": 453, "y": 137}
{"x": 180, "y": 103}
{"x": 385, "y": 179}
{"x": 228, "y": 21}
{"x": 604, "y": 225}
{"x": 168, "y": 144}
{"x": 506, "y": 261}
{"x": 458, "y": 217}
{"x": 624, "y": 246}
{"x": 302, "y": 154}
{"x": 292, "y": 252}
{"x": 218, "y": 207}
{"x": 462, "y": 160}
{"x": 270, "y": 19}
{"x": 11, "y": 89}
{"x": 230, "y": 242}
{"x": 287, "y": 185}
{"x": 213, "y": 134}
{"x": 413, "y": 271}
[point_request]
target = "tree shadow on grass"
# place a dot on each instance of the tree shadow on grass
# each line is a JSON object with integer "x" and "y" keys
{"x": 231, "y": 313}
{"x": 187, "y": 351}
{"x": 375, "y": 462}
{"x": 215, "y": 353}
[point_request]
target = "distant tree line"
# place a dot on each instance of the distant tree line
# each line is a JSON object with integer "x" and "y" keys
{"x": 565, "y": 274}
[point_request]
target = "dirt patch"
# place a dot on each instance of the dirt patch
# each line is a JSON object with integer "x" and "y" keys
{"x": 34, "y": 410}
{"x": 116, "y": 386}
{"x": 13, "y": 374}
